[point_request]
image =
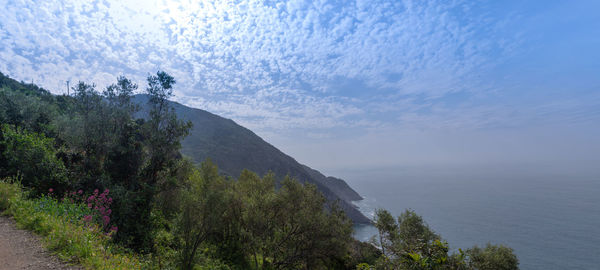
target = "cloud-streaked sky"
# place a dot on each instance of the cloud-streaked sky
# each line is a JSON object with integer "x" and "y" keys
{"x": 343, "y": 83}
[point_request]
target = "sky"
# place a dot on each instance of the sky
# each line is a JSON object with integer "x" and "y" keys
{"x": 345, "y": 84}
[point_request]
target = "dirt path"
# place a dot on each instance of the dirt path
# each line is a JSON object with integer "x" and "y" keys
{"x": 21, "y": 249}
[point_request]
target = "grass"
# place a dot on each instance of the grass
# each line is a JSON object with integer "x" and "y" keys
{"x": 60, "y": 224}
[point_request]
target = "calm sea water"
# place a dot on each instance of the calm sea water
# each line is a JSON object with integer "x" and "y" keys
{"x": 551, "y": 220}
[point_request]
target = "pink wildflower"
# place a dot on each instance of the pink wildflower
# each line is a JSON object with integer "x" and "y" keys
{"x": 87, "y": 218}
{"x": 106, "y": 220}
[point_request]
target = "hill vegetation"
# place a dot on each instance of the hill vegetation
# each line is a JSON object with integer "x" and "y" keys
{"x": 108, "y": 186}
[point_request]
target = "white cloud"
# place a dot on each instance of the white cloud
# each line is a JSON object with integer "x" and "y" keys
{"x": 302, "y": 64}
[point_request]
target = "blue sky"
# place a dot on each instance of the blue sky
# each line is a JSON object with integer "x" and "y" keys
{"x": 344, "y": 84}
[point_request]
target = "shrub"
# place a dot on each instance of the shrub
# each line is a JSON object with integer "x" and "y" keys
{"x": 32, "y": 157}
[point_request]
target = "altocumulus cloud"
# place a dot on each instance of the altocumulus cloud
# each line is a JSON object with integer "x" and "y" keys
{"x": 301, "y": 64}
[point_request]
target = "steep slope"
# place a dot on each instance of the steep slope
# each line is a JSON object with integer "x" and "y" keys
{"x": 234, "y": 148}
{"x": 338, "y": 186}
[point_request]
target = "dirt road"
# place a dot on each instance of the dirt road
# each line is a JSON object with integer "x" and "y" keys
{"x": 21, "y": 249}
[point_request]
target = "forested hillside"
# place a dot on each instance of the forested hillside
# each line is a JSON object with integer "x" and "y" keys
{"x": 111, "y": 190}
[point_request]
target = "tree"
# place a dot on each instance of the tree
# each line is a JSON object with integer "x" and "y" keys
{"x": 305, "y": 234}
{"x": 258, "y": 199}
{"x": 31, "y": 113}
{"x": 85, "y": 131}
{"x": 414, "y": 235}
{"x": 119, "y": 94}
{"x": 125, "y": 156}
{"x": 204, "y": 203}
{"x": 10, "y": 112}
{"x": 142, "y": 155}
{"x": 387, "y": 228}
{"x": 409, "y": 242}
{"x": 492, "y": 257}
{"x": 164, "y": 130}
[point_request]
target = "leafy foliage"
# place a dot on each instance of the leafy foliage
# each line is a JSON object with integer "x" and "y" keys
{"x": 33, "y": 157}
{"x": 492, "y": 257}
{"x": 411, "y": 244}
{"x": 204, "y": 206}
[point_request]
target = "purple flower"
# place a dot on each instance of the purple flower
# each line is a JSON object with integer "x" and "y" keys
{"x": 50, "y": 190}
{"x": 80, "y": 192}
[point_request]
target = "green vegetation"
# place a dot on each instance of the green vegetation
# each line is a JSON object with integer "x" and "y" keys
{"x": 409, "y": 243}
{"x": 110, "y": 190}
{"x": 61, "y": 223}
{"x": 32, "y": 156}
{"x": 492, "y": 257}
{"x": 235, "y": 148}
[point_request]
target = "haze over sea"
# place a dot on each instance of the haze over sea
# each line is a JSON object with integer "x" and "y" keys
{"x": 550, "y": 218}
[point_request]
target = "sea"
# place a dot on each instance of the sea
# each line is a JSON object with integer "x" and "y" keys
{"x": 550, "y": 218}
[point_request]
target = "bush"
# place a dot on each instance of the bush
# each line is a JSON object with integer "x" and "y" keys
{"x": 32, "y": 157}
